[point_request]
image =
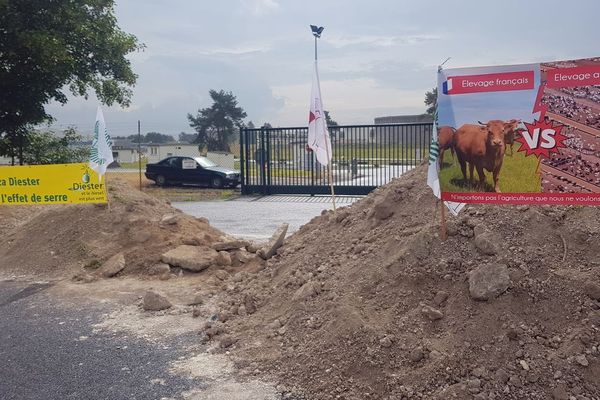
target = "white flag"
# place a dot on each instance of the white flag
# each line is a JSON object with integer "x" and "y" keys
{"x": 101, "y": 154}
{"x": 318, "y": 135}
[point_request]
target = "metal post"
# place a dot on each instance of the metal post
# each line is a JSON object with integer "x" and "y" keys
{"x": 242, "y": 160}
{"x": 140, "y": 153}
{"x": 312, "y": 155}
{"x": 262, "y": 157}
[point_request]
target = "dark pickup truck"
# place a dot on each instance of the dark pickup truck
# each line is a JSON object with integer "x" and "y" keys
{"x": 191, "y": 171}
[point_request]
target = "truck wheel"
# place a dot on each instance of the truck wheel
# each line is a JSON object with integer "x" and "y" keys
{"x": 216, "y": 183}
{"x": 161, "y": 180}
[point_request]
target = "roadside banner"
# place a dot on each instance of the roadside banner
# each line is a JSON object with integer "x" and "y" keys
{"x": 50, "y": 184}
{"x": 520, "y": 134}
{"x": 101, "y": 153}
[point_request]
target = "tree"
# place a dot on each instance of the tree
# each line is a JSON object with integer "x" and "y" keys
{"x": 152, "y": 137}
{"x": 267, "y": 125}
{"x": 187, "y": 137}
{"x": 156, "y": 137}
{"x": 329, "y": 120}
{"x": 47, "y": 148}
{"x": 335, "y": 133}
{"x": 431, "y": 101}
{"x": 216, "y": 125}
{"x": 50, "y": 48}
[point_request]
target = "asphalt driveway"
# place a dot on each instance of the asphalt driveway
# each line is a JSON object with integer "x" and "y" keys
{"x": 258, "y": 217}
{"x": 49, "y": 352}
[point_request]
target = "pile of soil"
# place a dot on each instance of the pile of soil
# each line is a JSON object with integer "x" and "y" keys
{"x": 59, "y": 241}
{"x": 369, "y": 303}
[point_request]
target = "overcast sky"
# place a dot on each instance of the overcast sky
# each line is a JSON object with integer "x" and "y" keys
{"x": 376, "y": 57}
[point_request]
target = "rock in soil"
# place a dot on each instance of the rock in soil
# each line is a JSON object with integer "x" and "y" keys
{"x": 432, "y": 313}
{"x": 488, "y": 281}
{"x": 222, "y": 275}
{"x": 274, "y": 243}
{"x": 197, "y": 300}
{"x": 159, "y": 269}
{"x": 308, "y": 290}
{"x": 169, "y": 219}
{"x": 224, "y": 258}
{"x": 230, "y": 245}
{"x": 112, "y": 266}
{"x": 582, "y": 360}
{"x": 155, "y": 302}
{"x": 192, "y": 258}
{"x": 440, "y": 298}
{"x": 253, "y": 247}
{"x": 592, "y": 290}
{"x": 486, "y": 244}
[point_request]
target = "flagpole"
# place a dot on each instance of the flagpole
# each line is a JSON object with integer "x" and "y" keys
{"x": 331, "y": 183}
{"x": 443, "y": 229}
{"x": 106, "y": 191}
{"x": 317, "y": 35}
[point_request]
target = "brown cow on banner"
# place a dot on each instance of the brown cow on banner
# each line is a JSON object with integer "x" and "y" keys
{"x": 445, "y": 135}
{"x": 482, "y": 147}
{"x": 510, "y": 137}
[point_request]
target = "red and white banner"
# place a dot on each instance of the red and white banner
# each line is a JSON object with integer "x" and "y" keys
{"x": 573, "y": 77}
{"x": 525, "y": 198}
{"x": 520, "y": 134}
{"x": 496, "y": 82}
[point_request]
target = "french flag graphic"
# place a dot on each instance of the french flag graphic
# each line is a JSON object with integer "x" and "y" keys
{"x": 447, "y": 86}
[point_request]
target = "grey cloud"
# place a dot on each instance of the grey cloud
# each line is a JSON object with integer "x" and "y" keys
{"x": 253, "y": 46}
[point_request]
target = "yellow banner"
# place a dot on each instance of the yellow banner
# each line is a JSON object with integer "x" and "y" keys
{"x": 50, "y": 184}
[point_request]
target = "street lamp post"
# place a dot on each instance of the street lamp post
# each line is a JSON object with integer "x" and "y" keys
{"x": 316, "y": 31}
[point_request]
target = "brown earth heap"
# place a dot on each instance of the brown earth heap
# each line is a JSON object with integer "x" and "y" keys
{"x": 369, "y": 303}
{"x": 58, "y": 241}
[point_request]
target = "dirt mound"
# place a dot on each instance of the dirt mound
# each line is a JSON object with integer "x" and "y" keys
{"x": 57, "y": 241}
{"x": 370, "y": 304}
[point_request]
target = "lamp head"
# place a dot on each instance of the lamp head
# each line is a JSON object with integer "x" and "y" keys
{"x": 316, "y": 30}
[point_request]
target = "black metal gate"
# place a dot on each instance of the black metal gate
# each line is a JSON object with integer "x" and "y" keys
{"x": 277, "y": 160}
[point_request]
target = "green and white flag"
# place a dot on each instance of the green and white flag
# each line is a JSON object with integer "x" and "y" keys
{"x": 433, "y": 180}
{"x": 101, "y": 154}
{"x": 434, "y": 152}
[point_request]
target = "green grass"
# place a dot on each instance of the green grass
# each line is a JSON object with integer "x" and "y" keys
{"x": 132, "y": 165}
{"x": 516, "y": 176}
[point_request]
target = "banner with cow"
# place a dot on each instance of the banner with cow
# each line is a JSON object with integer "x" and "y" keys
{"x": 520, "y": 134}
